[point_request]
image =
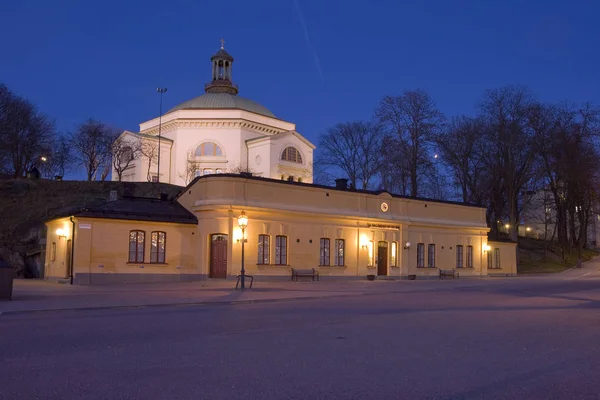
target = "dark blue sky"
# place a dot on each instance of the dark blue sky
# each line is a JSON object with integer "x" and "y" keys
{"x": 104, "y": 59}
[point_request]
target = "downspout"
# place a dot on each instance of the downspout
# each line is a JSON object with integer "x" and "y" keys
{"x": 72, "y": 251}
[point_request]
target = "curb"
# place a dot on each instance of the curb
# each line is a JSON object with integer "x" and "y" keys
{"x": 190, "y": 304}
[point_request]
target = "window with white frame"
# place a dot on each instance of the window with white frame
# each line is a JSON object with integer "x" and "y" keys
{"x": 497, "y": 254}
{"x": 340, "y": 245}
{"x": 324, "y": 252}
{"x": 264, "y": 242}
{"x": 137, "y": 242}
{"x": 420, "y": 255}
{"x": 281, "y": 250}
{"x": 431, "y": 255}
{"x": 469, "y": 256}
{"x": 158, "y": 244}
{"x": 459, "y": 256}
{"x": 209, "y": 149}
{"x": 291, "y": 154}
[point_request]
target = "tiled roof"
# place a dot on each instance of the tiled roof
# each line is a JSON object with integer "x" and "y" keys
{"x": 136, "y": 209}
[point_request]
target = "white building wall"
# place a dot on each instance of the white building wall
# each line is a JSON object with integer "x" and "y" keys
{"x": 229, "y": 129}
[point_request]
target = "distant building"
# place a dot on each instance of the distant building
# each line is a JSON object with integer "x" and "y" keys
{"x": 539, "y": 218}
{"x": 218, "y": 132}
{"x": 338, "y": 231}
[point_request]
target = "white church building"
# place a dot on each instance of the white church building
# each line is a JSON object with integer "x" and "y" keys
{"x": 217, "y": 132}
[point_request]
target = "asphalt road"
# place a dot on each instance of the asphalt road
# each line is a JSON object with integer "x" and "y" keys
{"x": 505, "y": 339}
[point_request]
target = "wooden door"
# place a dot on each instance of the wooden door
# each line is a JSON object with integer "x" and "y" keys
{"x": 68, "y": 258}
{"x": 382, "y": 258}
{"x": 218, "y": 256}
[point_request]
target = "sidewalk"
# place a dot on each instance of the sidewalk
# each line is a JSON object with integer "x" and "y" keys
{"x": 589, "y": 269}
{"x": 37, "y": 296}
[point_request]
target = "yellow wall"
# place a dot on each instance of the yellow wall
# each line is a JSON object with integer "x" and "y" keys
{"x": 508, "y": 259}
{"x": 304, "y": 214}
{"x": 102, "y": 247}
{"x": 56, "y": 248}
{"x": 307, "y": 213}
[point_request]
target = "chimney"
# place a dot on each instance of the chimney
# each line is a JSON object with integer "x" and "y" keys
{"x": 164, "y": 197}
{"x": 112, "y": 195}
{"x": 341, "y": 183}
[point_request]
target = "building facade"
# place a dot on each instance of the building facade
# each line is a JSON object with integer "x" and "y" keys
{"x": 217, "y": 132}
{"x": 340, "y": 232}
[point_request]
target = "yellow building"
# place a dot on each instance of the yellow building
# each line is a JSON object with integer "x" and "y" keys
{"x": 340, "y": 232}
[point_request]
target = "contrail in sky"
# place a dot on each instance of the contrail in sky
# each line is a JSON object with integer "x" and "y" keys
{"x": 307, "y": 39}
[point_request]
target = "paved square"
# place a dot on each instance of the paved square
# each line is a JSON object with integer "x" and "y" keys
{"x": 517, "y": 338}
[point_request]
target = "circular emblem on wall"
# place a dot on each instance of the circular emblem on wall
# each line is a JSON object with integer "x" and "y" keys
{"x": 384, "y": 207}
{"x": 258, "y": 160}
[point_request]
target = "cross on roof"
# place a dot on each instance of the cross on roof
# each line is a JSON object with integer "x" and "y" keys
{"x": 222, "y": 43}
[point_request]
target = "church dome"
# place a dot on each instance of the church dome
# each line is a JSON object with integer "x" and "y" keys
{"x": 223, "y": 100}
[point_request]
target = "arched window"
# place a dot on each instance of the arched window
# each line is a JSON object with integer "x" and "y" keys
{"x": 291, "y": 154}
{"x": 209, "y": 149}
{"x": 137, "y": 241}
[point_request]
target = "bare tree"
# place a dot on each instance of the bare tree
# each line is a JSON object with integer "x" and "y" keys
{"x": 511, "y": 143}
{"x": 567, "y": 138}
{"x": 354, "y": 149}
{"x": 149, "y": 150}
{"x": 124, "y": 151}
{"x": 59, "y": 159}
{"x": 191, "y": 168}
{"x": 91, "y": 143}
{"x": 460, "y": 149}
{"x": 411, "y": 121}
{"x": 25, "y": 133}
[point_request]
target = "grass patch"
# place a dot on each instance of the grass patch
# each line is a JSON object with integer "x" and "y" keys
{"x": 534, "y": 259}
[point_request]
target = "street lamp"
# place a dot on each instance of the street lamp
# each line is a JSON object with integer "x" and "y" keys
{"x": 161, "y": 91}
{"x": 243, "y": 223}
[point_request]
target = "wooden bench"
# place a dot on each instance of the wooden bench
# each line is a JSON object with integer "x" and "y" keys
{"x": 308, "y": 273}
{"x": 448, "y": 272}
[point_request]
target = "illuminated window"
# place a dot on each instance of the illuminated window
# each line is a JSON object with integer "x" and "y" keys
{"x": 207, "y": 171}
{"x": 394, "y": 260}
{"x": 339, "y": 252}
{"x": 420, "y": 255}
{"x": 431, "y": 255}
{"x": 291, "y": 154}
{"x": 209, "y": 149}
{"x": 324, "y": 252}
{"x": 459, "y": 256}
{"x": 158, "y": 243}
{"x": 489, "y": 260}
{"x": 370, "y": 249}
{"x": 281, "y": 250}
{"x": 137, "y": 241}
{"x": 53, "y": 252}
{"x": 469, "y": 256}
{"x": 264, "y": 242}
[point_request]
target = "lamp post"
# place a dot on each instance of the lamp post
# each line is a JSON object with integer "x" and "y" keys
{"x": 161, "y": 91}
{"x": 243, "y": 223}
